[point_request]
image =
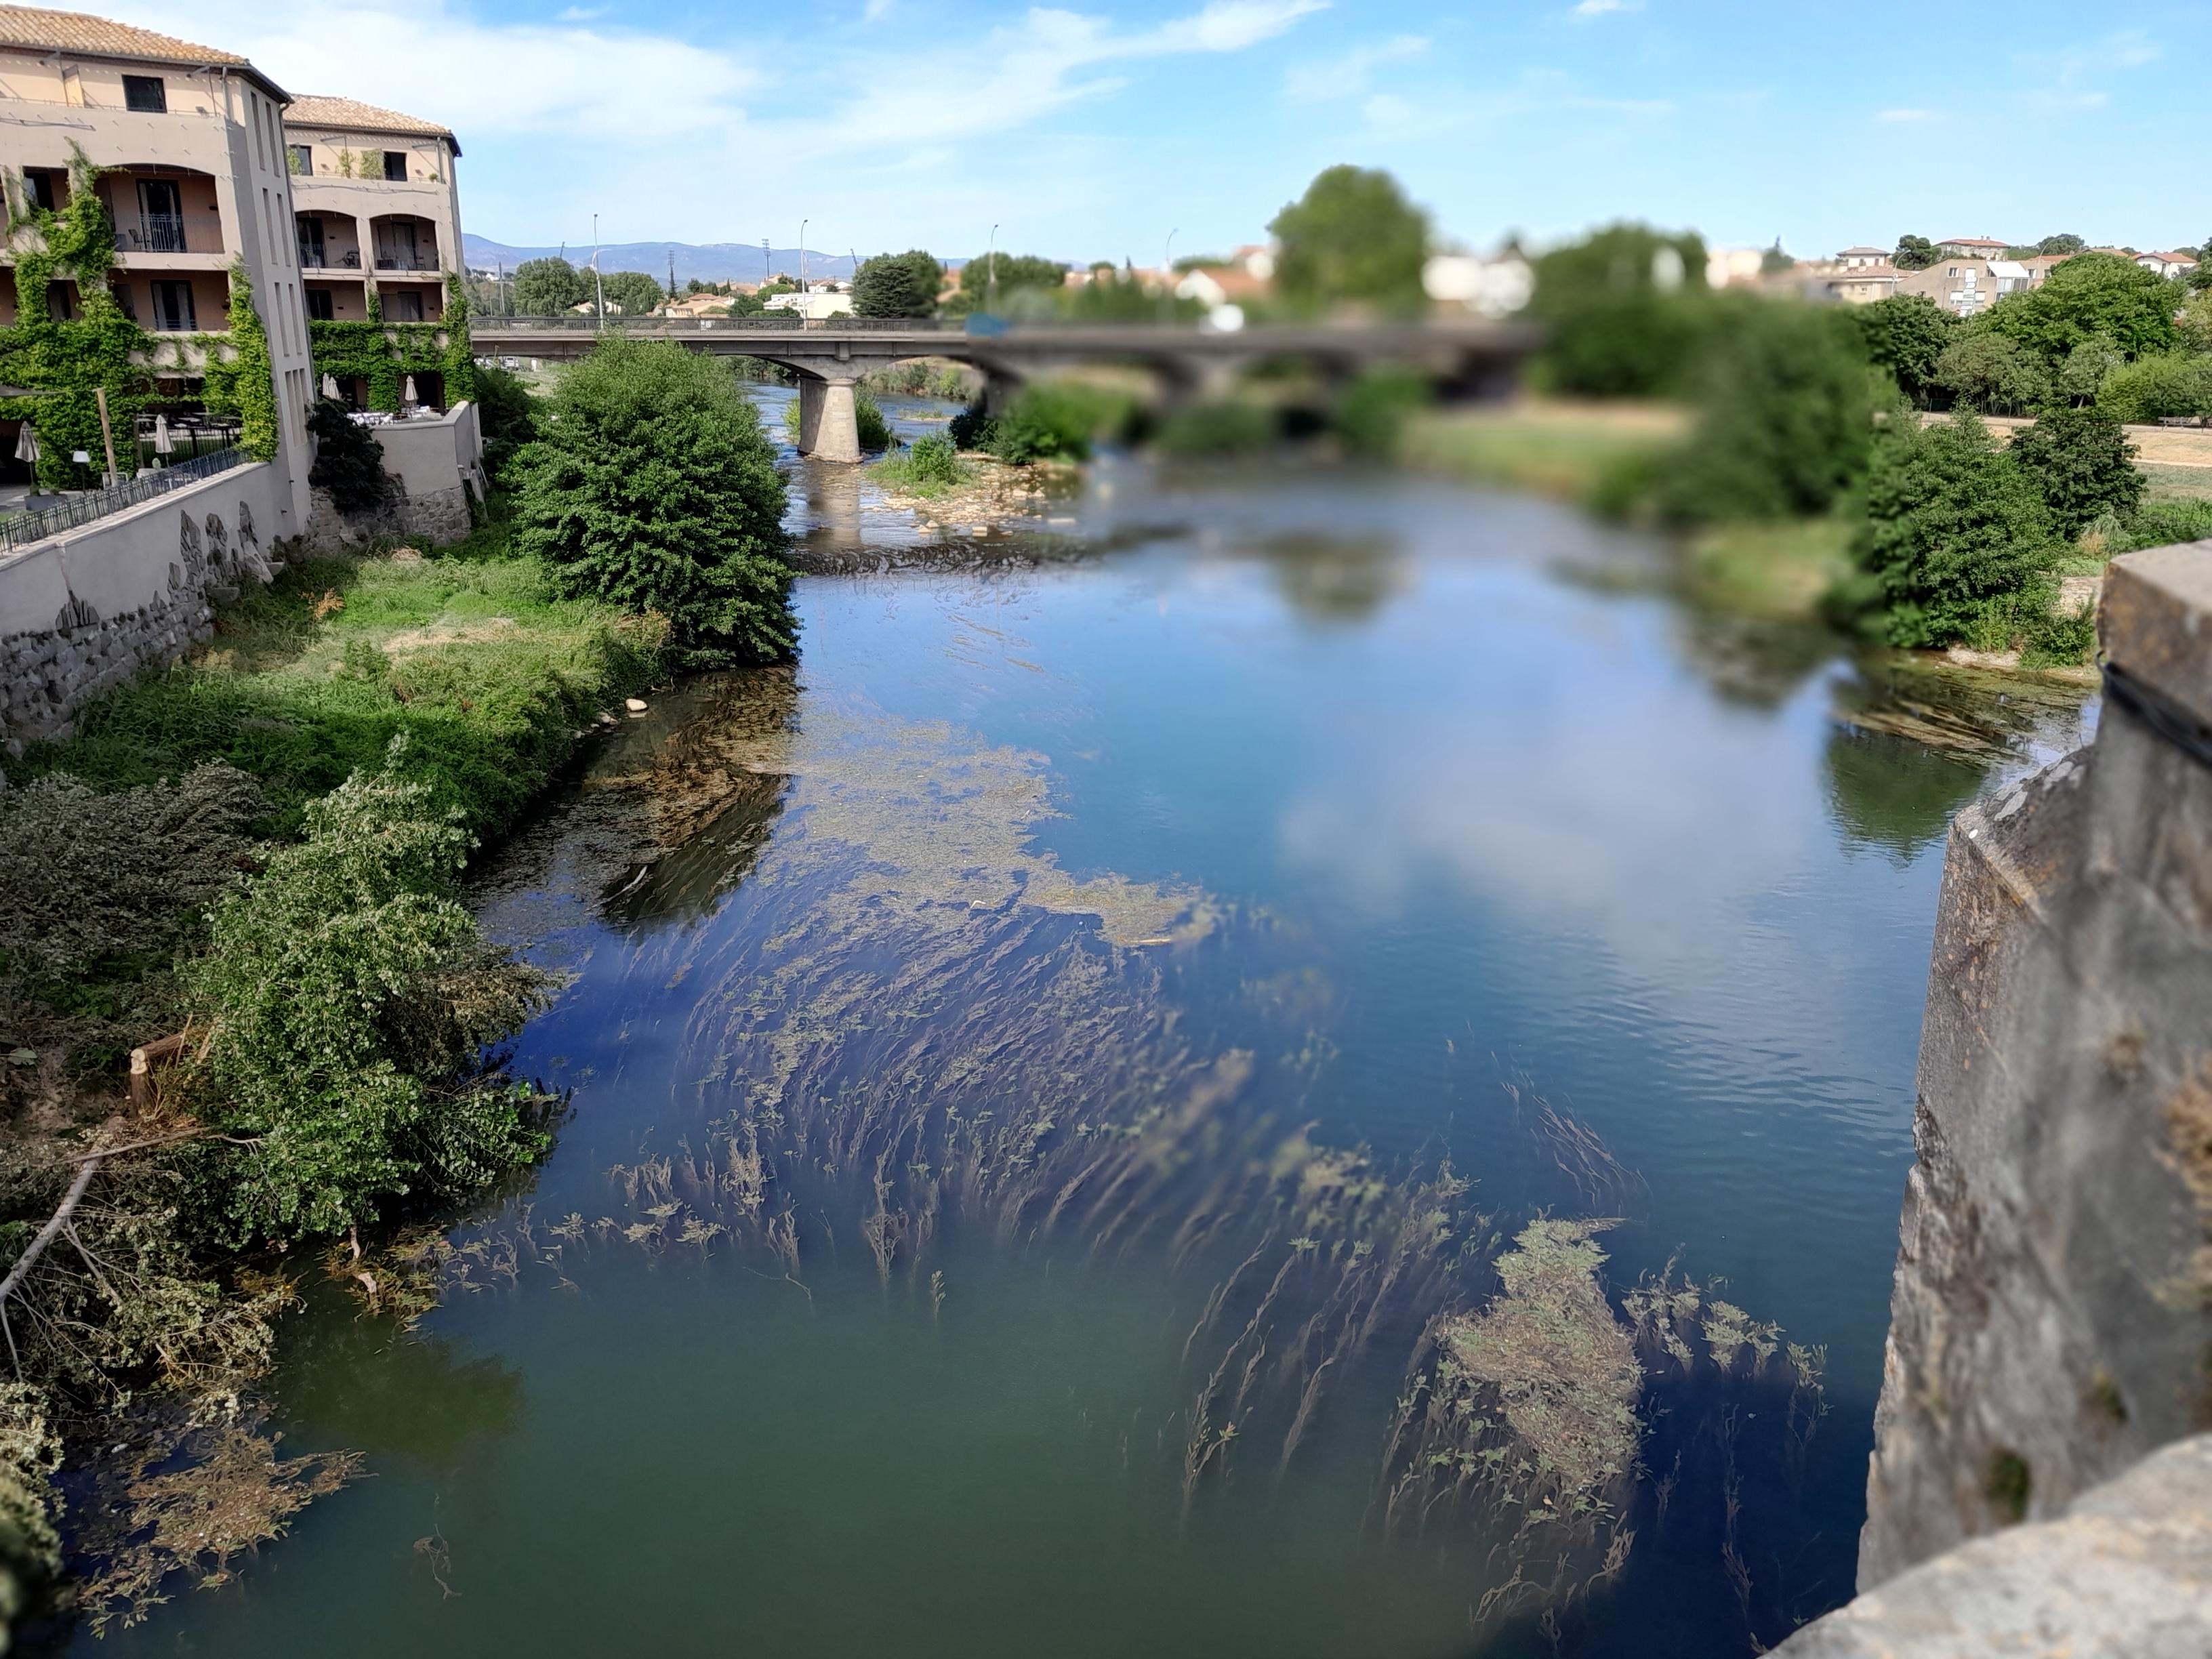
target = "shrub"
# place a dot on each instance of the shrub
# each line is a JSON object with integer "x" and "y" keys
{"x": 2093, "y": 297}
{"x": 1628, "y": 310}
{"x": 508, "y": 414}
{"x": 2059, "y": 638}
{"x": 1371, "y": 416}
{"x": 2083, "y": 464}
{"x": 1956, "y": 543}
{"x": 868, "y": 417}
{"x": 349, "y": 460}
{"x": 1785, "y": 421}
{"x": 1056, "y": 420}
{"x": 2162, "y": 524}
{"x": 897, "y": 285}
{"x": 1993, "y": 372}
{"x": 345, "y": 996}
{"x": 973, "y": 427}
{"x": 930, "y": 467}
{"x": 654, "y": 488}
{"x": 2154, "y": 388}
{"x": 1905, "y": 334}
{"x": 1228, "y": 425}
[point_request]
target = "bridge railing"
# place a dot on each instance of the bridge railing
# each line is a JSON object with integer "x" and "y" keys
{"x": 480, "y": 325}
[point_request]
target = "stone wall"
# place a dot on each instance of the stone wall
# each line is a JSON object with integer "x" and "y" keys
{"x": 87, "y": 609}
{"x": 434, "y": 466}
{"x": 2051, "y": 1313}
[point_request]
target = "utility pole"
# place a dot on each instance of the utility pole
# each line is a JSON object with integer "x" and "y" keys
{"x": 1167, "y": 275}
{"x": 672, "y": 276}
{"x": 598, "y": 284}
{"x": 767, "y": 260}
{"x": 991, "y": 274}
{"x": 802, "y": 256}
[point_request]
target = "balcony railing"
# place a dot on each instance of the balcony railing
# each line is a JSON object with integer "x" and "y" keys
{"x": 155, "y": 232}
{"x": 404, "y": 261}
{"x": 28, "y": 527}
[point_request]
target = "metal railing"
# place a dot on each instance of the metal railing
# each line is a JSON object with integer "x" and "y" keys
{"x": 407, "y": 262}
{"x": 157, "y": 233}
{"x": 479, "y": 323}
{"x": 28, "y": 527}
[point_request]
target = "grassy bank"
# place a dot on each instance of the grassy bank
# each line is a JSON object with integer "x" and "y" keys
{"x": 1567, "y": 449}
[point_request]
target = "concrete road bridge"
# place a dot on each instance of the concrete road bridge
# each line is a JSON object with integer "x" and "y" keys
{"x": 1464, "y": 359}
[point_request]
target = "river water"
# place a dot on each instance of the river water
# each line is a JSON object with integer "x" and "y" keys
{"x": 1037, "y": 1071}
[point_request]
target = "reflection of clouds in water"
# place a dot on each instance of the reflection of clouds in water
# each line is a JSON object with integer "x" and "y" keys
{"x": 1587, "y": 811}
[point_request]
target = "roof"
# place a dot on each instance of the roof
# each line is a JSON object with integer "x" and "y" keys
{"x": 315, "y": 110}
{"x": 2179, "y": 257}
{"x": 1853, "y": 252}
{"x": 1971, "y": 241}
{"x": 98, "y": 37}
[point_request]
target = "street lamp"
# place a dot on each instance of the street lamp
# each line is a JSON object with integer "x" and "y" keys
{"x": 1167, "y": 275}
{"x": 802, "y": 255}
{"x": 991, "y": 273}
{"x": 598, "y": 284}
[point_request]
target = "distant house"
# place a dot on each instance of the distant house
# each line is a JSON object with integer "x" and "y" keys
{"x": 1858, "y": 258}
{"x": 2040, "y": 266}
{"x": 2179, "y": 263}
{"x": 697, "y": 305}
{"x": 1965, "y": 288}
{"x": 1975, "y": 248}
{"x": 1860, "y": 284}
{"x": 811, "y": 307}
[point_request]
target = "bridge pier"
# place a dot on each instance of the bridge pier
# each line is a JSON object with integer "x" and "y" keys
{"x": 828, "y": 425}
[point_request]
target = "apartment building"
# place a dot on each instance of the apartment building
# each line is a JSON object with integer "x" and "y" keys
{"x": 1967, "y": 288}
{"x": 192, "y": 141}
{"x": 376, "y": 207}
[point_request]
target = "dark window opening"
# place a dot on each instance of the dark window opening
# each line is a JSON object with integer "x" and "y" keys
{"x": 173, "y": 308}
{"x": 312, "y": 254}
{"x": 321, "y": 306}
{"x": 147, "y": 94}
{"x": 40, "y": 182}
{"x": 404, "y": 308}
{"x": 395, "y": 167}
{"x": 303, "y": 160}
{"x": 57, "y": 301}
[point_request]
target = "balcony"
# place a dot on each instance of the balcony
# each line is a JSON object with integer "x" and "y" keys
{"x": 406, "y": 259}
{"x": 155, "y": 232}
{"x": 313, "y": 259}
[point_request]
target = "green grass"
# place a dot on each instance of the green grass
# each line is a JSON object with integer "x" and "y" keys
{"x": 464, "y": 650}
{"x": 1571, "y": 451}
{"x": 1777, "y": 570}
{"x": 2178, "y": 484}
{"x": 930, "y": 468}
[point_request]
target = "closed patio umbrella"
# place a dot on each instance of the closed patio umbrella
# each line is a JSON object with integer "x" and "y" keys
{"x": 407, "y": 393}
{"x": 331, "y": 387}
{"x": 27, "y": 445}
{"x": 163, "y": 443}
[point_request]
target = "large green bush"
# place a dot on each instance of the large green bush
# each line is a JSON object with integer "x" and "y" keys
{"x": 2082, "y": 464}
{"x": 1056, "y": 420}
{"x": 2153, "y": 388}
{"x": 349, "y": 460}
{"x": 1628, "y": 311}
{"x": 1785, "y": 417}
{"x": 508, "y": 416}
{"x": 1993, "y": 372}
{"x": 1352, "y": 239}
{"x": 1372, "y": 414}
{"x": 652, "y": 487}
{"x": 1905, "y": 334}
{"x": 1958, "y": 544}
{"x": 897, "y": 285}
{"x": 2091, "y": 296}
{"x": 344, "y": 998}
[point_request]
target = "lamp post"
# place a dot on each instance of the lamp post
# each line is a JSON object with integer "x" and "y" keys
{"x": 991, "y": 273}
{"x": 598, "y": 284}
{"x": 802, "y": 255}
{"x": 1167, "y": 275}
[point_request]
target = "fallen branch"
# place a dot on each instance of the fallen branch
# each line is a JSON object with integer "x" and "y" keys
{"x": 37, "y": 1248}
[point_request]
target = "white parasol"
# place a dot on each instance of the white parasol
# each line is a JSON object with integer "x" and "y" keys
{"x": 331, "y": 387}
{"x": 27, "y": 445}
{"x": 163, "y": 443}
{"x": 407, "y": 393}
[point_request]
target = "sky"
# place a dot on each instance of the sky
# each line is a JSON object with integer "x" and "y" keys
{"x": 1113, "y": 131}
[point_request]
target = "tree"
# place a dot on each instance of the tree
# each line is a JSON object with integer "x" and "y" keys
{"x": 1012, "y": 270}
{"x": 1628, "y": 311}
{"x": 897, "y": 285}
{"x": 1915, "y": 253}
{"x": 1991, "y": 371}
{"x": 2084, "y": 370}
{"x": 2064, "y": 242}
{"x": 2172, "y": 385}
{"x": 1352, "y": 239}
{"x": 1957, "y": 541}
{"x": 1774, "y": 261}
{"x": 2091, "y": 296}
{"x": 508, "y": 416}
{"x": 2084, "y": 465}
{"x": 633, "y": 291}
{"x": 652, "y": 487}
{"x": 1785, "y": 421}
{"x": 1905, "y": 334}
{"x": 546, "y": 288}
{"x": 349, "y": 461}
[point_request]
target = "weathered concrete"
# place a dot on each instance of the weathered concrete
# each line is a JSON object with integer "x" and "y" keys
{"x": 2126, "y": 1574}
{"x": 2051, "y": 1314}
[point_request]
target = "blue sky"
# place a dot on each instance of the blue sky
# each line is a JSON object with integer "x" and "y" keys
{"x": 1096, "y": 129}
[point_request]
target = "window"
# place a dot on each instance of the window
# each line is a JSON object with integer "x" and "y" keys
{"x": 321, "y": 306}
{"x": 40, "y": 182}
{"x": 173, "y": 308}
{"x": 57, "y": 301}
{"x": 395, "y": 167}
{"x": 403, "y": 306}
{"x": 303, "y": 160}
{"x": 147, "y": 94}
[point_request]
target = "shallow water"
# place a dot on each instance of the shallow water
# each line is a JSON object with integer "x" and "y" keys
{"x": 1061, "y": 958}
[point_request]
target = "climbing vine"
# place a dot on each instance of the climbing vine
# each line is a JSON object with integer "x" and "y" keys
{"x": 68, "y": 360}
{"x": 244, "y": 384}
{"x": 384, "y": 354}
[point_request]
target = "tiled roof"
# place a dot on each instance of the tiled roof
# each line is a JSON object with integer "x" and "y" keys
{"x": 311, "y": 110}
{"x": 42, "y": 30}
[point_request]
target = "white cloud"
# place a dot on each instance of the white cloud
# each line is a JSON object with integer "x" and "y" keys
{"x": 2068, "y": 78}
{"x": 1601, "y": 8}
{"x": 1350, "y": 75}
{"x": 1904, "y": 115}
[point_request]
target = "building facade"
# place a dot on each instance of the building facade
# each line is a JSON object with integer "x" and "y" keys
{"x": 188, "y": 143}
{"x": 376, "y": 209}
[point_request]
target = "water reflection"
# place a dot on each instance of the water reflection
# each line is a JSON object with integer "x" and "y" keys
{"x": 371, "y": 1383}
{"x": 1334, "y": 579}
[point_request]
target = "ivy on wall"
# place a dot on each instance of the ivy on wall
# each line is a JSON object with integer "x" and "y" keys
{"x": 244, "y": 383}
{"x": 384, "y": 355}
{"x": 68, "y": 360}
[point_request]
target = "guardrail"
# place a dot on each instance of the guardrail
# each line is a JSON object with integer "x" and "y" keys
{"x": 25, "y": 528}
{"x": 479, "y": 323}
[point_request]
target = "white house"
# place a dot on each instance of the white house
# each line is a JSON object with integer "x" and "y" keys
{"x": 2179, "y": 263}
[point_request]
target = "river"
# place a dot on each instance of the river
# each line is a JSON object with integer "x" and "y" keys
{"x": 1037, "y": 1071}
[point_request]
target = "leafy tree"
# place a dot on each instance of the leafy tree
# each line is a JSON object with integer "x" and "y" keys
{"x": 1352, "y": 239}
{"x": 1956, "y": 543}
{"x": 345, "y": 995}
{"x": 1915, "y": 253}
{"x": 652, "y": 487}
{"x": 1786, "y": 416}
{"x": 2091, "y": 296}
{"x": 546, "y": 288}
{"x": 1628, "y": 311}
{"x": 2175, "y": 383}
{"x": 897, "y": 285}
{"x": 2084, "y": 465}
{"x": 1905, "y": 334}
{"x": 2084, "y": 370}
{"x": 2064, "y": 242}
{"x": 636, "y": 293}
{"x": 1053, "y": 420}
{"x": 349, "y": 460}
{"x": 1774, "y": 261}
{"x": 1013, "y": 270}
{"x": 1991, "y": 371}
{"x": 508, "y": 416}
